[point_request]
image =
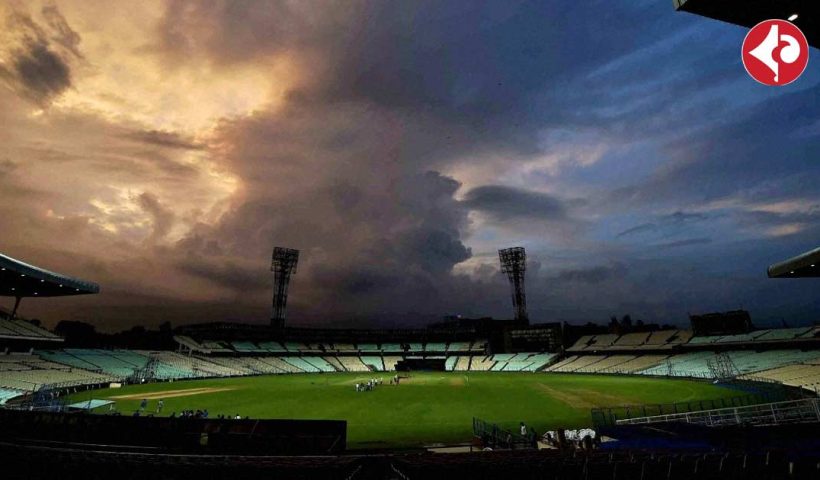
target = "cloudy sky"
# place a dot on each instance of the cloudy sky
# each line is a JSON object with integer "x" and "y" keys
{"x": 162, "y": 148}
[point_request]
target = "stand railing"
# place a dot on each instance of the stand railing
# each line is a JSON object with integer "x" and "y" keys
{"x": 778, "y": 413}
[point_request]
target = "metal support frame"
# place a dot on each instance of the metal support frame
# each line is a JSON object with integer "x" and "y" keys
{"x": 283, "y": 265}
{"x": 17, "y": 301}
{"x": 514, "y": 265}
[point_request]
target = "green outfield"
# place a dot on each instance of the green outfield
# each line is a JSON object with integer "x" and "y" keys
{"x": 428, "y": 408}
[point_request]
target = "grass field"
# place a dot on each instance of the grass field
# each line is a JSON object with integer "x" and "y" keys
{"x": 428, "y": 408}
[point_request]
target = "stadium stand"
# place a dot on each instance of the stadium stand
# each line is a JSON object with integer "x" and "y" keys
{"x": 119, "y": 364}
{"x": 606, "y": 365}
{"x": 345, "y": 347}
{"x": 27, "y": 373}
{"x": 390, "y": 363}
{"x": 281, "y": 365}
{"x": 335, "y": 362}
{"x": 247, "y": 347}
{"x": 7, "y": 394}
{"x": 482, "y": 363}
{"x": 576, "y": 363}
{"x": 450, "y": 364}
{"x": 523, "y": 362}
{"x": 273, "y": 347}
{"x": 459, "y": 346}
{"x": 392, "y": 348}
{"x": 301, "y": 364}
{"x": 581, "y": 343}
{"x": 641, "y": 362}
{"x": 805, "y": 374}
{"x": 374, "y": 362}
{"x": 21, "y": 329}
{"x": 320, "y": 363}
{"x": 462, "y": 364}
{"x": 631, "y": 340}
{"x": 500, "y": 361}
{"x": 436, "y": 347}
{"x": 353, "y": 364}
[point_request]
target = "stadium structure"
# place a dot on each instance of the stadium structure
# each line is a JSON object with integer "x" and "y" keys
{"x": 748, "y": 13}
{"x": 722, "y": 399}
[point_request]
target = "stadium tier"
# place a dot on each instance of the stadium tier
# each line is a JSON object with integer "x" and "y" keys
{"x": 22, "y": 329}
{"x": 673, "y": 353}
{"x": 462, "y": 363}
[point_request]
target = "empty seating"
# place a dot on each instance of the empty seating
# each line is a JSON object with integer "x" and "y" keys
{"x": 7, "y": 394}
{"x": 575, "y": 363}
{"x": 435, "y": 347}
{"x": 273, "y": 347}
{"x": 246, "y": 347}
{"x": 462, "y": 363}
{"x": 353, "y": 364}
{"x": 281, "y": 365}
{"x": 606, "y": 365}
{"x": 636, "y": 364}
{"x": 390, "y": 363}
{"x": 482, "y": 363}
{"x": 450, "y": 363}
{"x": 501, "y": 360}
{"x": 301, "y": 364}
{"x": 335, "y": 362}
{"x": 320, "y": 363}
{"x": 22, "y": 328}
{"x": 374, "y": 362}
{"x": 631, "y": 339}
{"x": 782, "y": 334}
{"x": 581, "y": 343}
{"x": 458, "y": 347}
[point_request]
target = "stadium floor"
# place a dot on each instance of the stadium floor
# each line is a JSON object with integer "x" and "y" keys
{"x": 428, "y": 408}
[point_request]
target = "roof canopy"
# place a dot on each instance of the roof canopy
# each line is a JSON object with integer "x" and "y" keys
{"x": 749, "y": 13}
{"x": 805, "y": 265}
{"x": 19, "y": 279}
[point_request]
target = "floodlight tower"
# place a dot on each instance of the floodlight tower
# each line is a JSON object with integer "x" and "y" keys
{"x": 514, "y": 264}
{"x": 283, "y": 265}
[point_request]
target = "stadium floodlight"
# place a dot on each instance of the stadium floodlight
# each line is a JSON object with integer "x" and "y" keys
{"x": 514, "y": 264}
{"x": 793, "y": 17}
{"x": 283, "y": 265}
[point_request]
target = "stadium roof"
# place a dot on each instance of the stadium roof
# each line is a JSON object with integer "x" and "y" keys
{"x": 19, "y": 279}
{"x": 748, "y": 13}
{"x": 801, "y": 266}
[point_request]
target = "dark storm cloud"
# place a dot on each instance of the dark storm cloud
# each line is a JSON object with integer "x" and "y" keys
{"x": 34, "y": 69}
{"x": 674, "y": 220}
{"x": 162, "y": 218}
{"x": 167, "y": 139}
{"x": 63, "y": 34}
{"x": 506, "y": 202}
{"x": 683, "y": 243}
{"x": 7, "y": 166}
{"x": 37, "y": 73}
{"x": 226, "y": 274}
{"x": 592, "y": 275}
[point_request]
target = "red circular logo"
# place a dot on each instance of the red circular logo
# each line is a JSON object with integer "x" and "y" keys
{"x": 775, "y": 52}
